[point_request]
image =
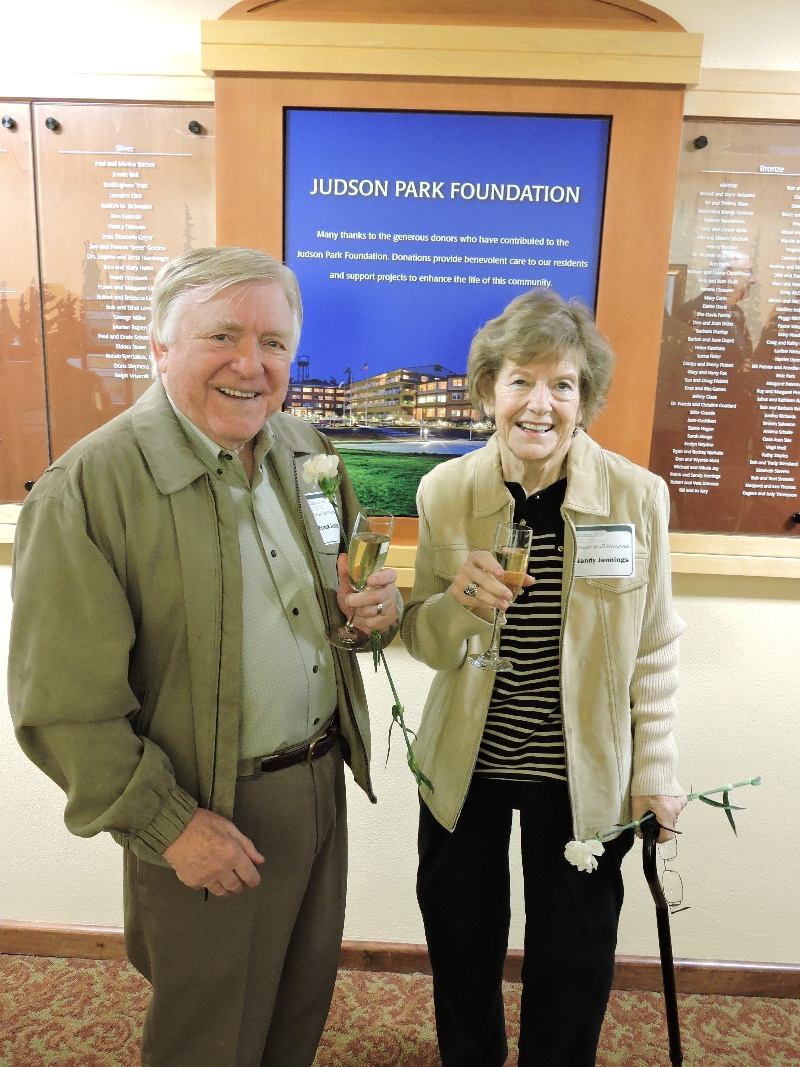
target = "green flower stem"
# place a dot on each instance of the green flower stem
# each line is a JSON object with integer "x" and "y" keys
{"x": 692, "y": 796}
{"x": 329, "y": 487}
{"x": 397, "y": 712}
{"x": 724, "y": 788}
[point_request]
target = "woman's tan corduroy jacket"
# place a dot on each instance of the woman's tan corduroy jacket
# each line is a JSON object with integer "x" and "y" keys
{"x": 619, "y": 637}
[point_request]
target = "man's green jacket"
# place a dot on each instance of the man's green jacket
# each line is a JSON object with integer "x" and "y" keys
{"x": 125, "y": 662}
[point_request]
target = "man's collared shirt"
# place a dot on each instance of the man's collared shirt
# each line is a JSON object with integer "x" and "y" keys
{"x": 288, "y": 676}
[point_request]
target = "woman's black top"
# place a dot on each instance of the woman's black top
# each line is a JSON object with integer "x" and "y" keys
{"x": 523, "y": 739}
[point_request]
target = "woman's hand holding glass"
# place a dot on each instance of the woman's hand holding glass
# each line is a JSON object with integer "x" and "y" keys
{"x": 511, "y": 550}
{"x": 482, "y": 570}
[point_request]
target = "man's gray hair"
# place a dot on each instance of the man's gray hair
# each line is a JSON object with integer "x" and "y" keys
{"x": 215, "y": 269}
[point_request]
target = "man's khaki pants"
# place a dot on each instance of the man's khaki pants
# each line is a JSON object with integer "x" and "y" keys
{"x": 246, "y": 981}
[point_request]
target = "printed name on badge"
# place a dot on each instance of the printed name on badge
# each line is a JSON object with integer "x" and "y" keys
{"x": 325, "y": 517}
{"x": 605, "y": 551}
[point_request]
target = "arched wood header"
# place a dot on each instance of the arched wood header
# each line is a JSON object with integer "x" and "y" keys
{"x": 623, "y": 59}
{"x": 566, "y": 40}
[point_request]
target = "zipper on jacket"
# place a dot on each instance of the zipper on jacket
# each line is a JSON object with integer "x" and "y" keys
{"x": 568, "y": 524}
{"x": 220, "y": 593}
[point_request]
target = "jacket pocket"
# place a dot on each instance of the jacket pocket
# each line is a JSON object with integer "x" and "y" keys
{"x": 623, "y": 585}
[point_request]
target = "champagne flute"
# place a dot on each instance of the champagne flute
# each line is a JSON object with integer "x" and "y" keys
{"x": 369, "y": 544}
{"x": 512, "y": 547}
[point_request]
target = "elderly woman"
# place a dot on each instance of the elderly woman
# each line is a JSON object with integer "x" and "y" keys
{"x": 579, "y": 735}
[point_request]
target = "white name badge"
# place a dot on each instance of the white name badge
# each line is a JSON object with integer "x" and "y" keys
{"x": 605, "y": 551}
{"x": 325, "y": 517}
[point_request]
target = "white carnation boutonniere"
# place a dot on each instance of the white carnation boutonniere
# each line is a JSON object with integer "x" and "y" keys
{"x": 323, "y": 470}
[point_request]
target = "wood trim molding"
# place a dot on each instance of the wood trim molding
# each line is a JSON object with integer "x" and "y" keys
{"x": 745, "y": 94}
{"x": 691, "y": 553}
{"x": 8, "y": 522}
{"x": 725, "y": 554}
{"x": 64, "y": 941}
{"x": 710, "y": 977}
{"x": 130, "y": 87}
{"x": 563, "y": 55}
{"x": 581, "y": 14}
{"x": 755, "y": 557}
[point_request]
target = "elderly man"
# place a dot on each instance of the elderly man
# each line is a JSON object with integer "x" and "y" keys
{"x": 168, "y": 669}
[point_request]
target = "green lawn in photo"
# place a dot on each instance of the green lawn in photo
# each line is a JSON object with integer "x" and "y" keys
{"x": 386, "y": 482}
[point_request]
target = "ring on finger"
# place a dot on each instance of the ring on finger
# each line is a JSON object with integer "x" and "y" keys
{"x": 379, "y": 609}
{"x": 471, "y": 589}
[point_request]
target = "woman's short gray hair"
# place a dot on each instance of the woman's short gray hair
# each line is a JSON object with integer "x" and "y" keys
{"x": 215, "y": 269}
{"x": 540, "y": 326}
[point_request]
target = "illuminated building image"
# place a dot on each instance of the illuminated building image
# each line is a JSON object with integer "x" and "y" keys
{"x": 426, "y": 394}
{"x": 312, "y": 398}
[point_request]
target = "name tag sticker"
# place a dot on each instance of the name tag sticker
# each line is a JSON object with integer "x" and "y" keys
{"x": 325, "y": 517}
{"x": 605, "y": 551}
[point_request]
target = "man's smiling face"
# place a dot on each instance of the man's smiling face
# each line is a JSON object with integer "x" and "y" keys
{"x": 228, "y": 365}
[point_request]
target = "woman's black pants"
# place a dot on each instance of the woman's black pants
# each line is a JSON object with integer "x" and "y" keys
{"x": 571, "y": 919}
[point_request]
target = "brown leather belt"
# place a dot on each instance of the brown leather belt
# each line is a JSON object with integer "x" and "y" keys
{"x": 306, "y": 752}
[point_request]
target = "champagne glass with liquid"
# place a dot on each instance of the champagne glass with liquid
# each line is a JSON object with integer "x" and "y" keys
{"x": 369, "y": 544}
{"x": 512, "y": 547}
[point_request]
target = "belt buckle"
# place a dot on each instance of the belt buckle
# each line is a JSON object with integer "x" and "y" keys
{"x": 312, "y": 745}
{"x": 254, "y": 771}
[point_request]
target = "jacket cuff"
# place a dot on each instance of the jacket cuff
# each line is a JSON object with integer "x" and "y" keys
{"x": 169, "y": 822}
{"x": 455, "y": 622}
{"x": 655, "y": 784}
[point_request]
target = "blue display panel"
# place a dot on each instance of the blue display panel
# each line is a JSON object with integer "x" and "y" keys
{"x": 409, "y": 230}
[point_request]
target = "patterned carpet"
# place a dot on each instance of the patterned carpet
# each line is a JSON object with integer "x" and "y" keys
{"x": 88, "y": 1013}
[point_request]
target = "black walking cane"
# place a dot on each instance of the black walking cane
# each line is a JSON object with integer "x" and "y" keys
{"x": 650, "y": 831}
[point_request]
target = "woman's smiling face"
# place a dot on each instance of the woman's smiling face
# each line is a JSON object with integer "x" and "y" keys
{"x": 536, "y": 406}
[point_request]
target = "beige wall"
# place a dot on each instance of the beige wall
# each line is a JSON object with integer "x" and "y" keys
{"x": 149, "y": 49}
{"x": 739, "y": 699}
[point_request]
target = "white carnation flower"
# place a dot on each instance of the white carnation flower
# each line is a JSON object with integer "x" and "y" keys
{"x": 321, "y": 466}
{"x": 581, "y": 854}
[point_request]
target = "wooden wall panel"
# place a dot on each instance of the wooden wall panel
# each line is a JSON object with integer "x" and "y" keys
{"x": 578, "y": 14}
{"x": 121, "y": 189}
{"x": 23, "y": 423}
{"x": 645, "y": 140}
